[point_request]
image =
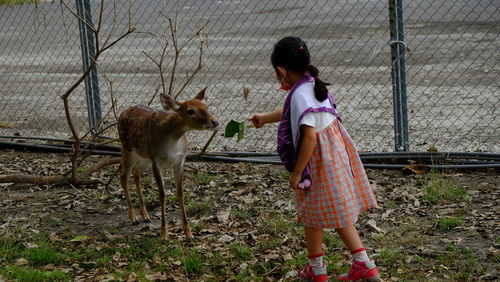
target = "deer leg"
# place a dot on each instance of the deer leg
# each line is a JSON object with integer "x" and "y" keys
{"x": 178, "y": 178}
{"x": 137, "y": 178}
{"x": 124, "y": 173}
{"x": 157, "y": 173}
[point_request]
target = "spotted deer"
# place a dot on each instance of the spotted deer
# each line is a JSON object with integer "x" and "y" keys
{"x": 157, "y": 139}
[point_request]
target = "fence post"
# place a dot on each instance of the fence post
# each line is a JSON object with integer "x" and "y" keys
{"x": 398, "y": 49}
{"x": 87, "y": 41}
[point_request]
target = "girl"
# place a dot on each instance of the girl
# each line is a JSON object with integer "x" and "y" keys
{"x": 326, "y": 173}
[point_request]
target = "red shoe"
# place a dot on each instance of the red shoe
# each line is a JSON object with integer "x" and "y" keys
{"x": 361, "y": 271}
{"x": 308, "y": 274}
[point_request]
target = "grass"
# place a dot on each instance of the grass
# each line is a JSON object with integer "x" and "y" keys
{"x": 194, "y": 263}
{"x": 30, "y": 275}
{"x": 438, "y": 189}
{"x": 15, "y": 2}
{"x": 241, "y": 251}
{"x": 203, "y": 178}
{"x": 43, "y": 255}
{"x": 448, "y": 223}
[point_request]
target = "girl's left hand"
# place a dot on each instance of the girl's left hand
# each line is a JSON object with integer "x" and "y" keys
{"x": 294, "y": 179}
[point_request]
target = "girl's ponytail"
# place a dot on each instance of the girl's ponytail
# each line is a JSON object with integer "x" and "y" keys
{"x": 320, "y": 90}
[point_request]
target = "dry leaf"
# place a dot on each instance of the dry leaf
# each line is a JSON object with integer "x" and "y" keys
{"x": 225, "y": 239}
{"x": 373, "y": 225}
{"x": 246, "y": 91}
{"x": 223, "y": 216}
{"x": 132, "y": 277}
{"x": 21, "y": 261}
{"x": 416, "y": 169}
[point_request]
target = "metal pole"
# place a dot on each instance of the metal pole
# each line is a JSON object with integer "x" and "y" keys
{"x": 398, "y": 49}
{"x": 87, "y": 40}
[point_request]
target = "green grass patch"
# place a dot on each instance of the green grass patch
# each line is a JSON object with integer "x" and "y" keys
{"x": 276, "y": 224}
{"x": 20, "y": 274}
{"x": 241, "y": 251}
{"x": 194, "y": 263}
{"x": 10, "y": 248}
{"x": 448, "y": 223}
{"x": 390, "y": 258}
{"x": 43, "y": 255}
{"x": 241, "y": 214}
{"x": 15, "y": 2}
{"x": 439, "y": 189}
{"x": 269, "y": 244}
{"x": 332, "y": 240}
{"x": 203, "y": 178}
{"x": 198, "y": 209}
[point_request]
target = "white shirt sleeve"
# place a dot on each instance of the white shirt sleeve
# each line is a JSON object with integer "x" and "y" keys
{"x": 319, "y": 121}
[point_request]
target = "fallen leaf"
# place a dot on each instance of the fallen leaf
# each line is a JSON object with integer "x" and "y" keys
{"x": 21, "y": 261}
{"x": 246, "y": 91}
{"x": 132, "y": 277}
{"x": 371, "y": 223}
{"x": 156, "y": 276}
{"x": 223, "y": 216}
{"x": 225, "y": 239}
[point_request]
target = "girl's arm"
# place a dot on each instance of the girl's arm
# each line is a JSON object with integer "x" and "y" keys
{"x": 307, "y": 144}
{"x": 259, "y": 120}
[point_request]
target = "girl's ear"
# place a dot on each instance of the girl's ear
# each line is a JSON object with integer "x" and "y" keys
{"x": 282, "y": 71}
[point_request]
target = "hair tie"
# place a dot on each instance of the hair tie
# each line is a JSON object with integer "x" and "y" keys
{"x": 316, "y": 77}
{"x": 301, "y": 48}
{"x": 309, "y": 65}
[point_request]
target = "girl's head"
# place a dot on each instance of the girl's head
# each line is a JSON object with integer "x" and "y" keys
{"x": 290, "y": 54}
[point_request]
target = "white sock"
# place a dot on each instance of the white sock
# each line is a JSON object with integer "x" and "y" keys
{"x": 361, "y": 256}
{"x": 317, "y": 264}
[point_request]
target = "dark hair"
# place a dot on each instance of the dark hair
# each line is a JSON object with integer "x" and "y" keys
{"x": 292, "y": 54}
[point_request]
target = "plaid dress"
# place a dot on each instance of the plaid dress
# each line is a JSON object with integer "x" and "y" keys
{"x": 340, "y": 189}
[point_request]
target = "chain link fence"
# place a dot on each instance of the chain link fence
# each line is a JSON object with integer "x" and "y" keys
{"x": 452, "y": 66}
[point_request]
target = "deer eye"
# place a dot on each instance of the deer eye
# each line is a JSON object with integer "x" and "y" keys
{"x": 191, "y": 112}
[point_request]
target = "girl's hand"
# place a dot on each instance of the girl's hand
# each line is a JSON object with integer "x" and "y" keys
{"x": 294, "y": 179}
{"x": 257, "y": 120}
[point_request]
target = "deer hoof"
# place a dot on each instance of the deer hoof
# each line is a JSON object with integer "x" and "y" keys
{"x": 147, "y": 220}
{"x": 136, "y": 222}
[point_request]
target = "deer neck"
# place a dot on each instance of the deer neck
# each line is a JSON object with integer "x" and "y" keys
{"x": 173, "y": 127}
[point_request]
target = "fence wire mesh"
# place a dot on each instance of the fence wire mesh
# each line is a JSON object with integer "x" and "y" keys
{"x": 452, "y": 67}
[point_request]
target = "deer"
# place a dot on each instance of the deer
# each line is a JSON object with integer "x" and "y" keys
{"x": 157, "y": 139}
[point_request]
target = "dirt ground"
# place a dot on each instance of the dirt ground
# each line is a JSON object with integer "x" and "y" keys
{"x": 441, "y": 226}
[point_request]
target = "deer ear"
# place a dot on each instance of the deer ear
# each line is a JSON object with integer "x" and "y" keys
{"x": 201, "y": 95}
{"x": 168, "y": 102}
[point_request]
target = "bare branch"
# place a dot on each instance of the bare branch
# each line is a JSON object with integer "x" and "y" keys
{"x": 35, "y": 179}
{"x": 154, "y": 96}
{"x": 98, "y": 166}
{"x": 159, "y": 64}
{"x": 198, "y": 68}
{"x": 176, "y": 57}
{"x": 106, "y": 47}
{"x": 77, "y": 16}
{"x": 111, "y": 93}
{"x": 193, "y": 36}
{"x": 209, "y": 141}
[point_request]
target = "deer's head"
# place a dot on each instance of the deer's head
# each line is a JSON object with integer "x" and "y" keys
{"x": 194, "y": 113}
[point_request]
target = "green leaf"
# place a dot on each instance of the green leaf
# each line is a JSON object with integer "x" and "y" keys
{"x": 234, "y": 127}
{"x": 79, "y": 238}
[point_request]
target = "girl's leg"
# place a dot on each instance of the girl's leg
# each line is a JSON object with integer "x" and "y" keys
{"x": 314, "y": 240}
{"x": 362, "y": 267}
{"x": 315, "y": 269}
{"x": 350, "y": 237}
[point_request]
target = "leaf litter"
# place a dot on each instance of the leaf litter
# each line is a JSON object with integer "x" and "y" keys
{"x": 244, "y": 223}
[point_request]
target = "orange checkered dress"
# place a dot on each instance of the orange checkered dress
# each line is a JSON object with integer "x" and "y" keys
{"x": 340, "y": 189}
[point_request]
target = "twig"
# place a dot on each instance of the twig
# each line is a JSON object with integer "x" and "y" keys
{"x": 154, "y": 96}
{"x": 198, "y": 68}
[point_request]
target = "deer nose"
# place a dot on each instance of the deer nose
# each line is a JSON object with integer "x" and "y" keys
{"x": 215, "y": 123}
